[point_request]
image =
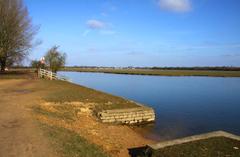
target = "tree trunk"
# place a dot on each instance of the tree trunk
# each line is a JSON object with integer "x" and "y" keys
{"x": 3, "y": 64}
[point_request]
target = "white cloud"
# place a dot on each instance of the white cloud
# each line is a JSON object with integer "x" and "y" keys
{"x": 175, "y": 5}
{"x": 95, "y": 24}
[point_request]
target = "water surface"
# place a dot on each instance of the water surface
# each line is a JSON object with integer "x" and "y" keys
{"x": 183, "y": 105}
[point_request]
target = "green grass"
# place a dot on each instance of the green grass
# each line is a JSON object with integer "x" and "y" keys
{"x": 212, "y": 147}
{"x": 70, "y": 144}
{"x": 157, "y": 72}
{"x": 60, "y": 91}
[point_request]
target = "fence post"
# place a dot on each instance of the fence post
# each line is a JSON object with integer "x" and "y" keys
{"x": 51, "y": 75}
{"x": 40, "y": 73}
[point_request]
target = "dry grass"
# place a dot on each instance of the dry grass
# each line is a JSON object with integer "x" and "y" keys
{"x": 77, "y": 118}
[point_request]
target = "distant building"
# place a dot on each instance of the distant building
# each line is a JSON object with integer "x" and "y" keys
{"x": 42, "y": 60}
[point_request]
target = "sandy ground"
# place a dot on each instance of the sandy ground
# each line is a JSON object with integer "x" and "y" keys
{"x": 21, "y": 137}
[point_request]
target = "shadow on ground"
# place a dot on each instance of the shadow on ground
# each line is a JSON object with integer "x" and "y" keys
{"x": 139, "y": 152}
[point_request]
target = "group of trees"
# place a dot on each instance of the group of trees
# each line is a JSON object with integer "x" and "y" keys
{"x": 53, "y": 59}
{"x": 16, "y": 36}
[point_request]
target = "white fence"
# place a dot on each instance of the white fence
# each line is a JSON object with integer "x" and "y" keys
{"x": 42, "y": 73}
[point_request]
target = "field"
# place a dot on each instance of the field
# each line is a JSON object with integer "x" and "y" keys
{"x": 211, "y": 73}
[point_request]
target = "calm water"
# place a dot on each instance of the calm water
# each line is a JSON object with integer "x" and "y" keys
{"x": 183, "y": 105}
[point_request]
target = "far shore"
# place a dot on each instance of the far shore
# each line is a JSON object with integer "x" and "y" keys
{"x": 158, "y": 72}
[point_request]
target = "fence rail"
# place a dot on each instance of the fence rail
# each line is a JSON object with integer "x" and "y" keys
{"x": 42, "y": 73}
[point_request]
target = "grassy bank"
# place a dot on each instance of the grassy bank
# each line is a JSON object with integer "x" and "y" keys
{"x": 157, "y": 72}
{"x": 67, "y": 118}
{"x": 217, "y": 146}
{"x": 60, "y": 91}
{"x": 70, "y": 144}
{"x": 59, "y": 118}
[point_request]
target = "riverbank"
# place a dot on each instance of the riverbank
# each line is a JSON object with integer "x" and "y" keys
{"x": 65, "y": 113}
{"x": 56, "y": 118}
{"x": 156, "y": 72}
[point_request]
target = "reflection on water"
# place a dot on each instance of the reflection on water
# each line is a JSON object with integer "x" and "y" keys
{"x": 183, "y": 105}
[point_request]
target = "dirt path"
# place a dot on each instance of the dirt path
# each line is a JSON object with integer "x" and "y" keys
{"x": 19, "y": 135}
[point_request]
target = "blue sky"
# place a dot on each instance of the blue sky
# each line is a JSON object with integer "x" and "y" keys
{"x": 139, "y": 32}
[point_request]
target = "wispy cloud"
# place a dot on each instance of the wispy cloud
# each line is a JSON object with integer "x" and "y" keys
{"x": 95, "y": 24}
{"x": 175, "y": 5}
{"x": 107, "y": 32}
{"x": 101, "y": 27}
{"x": 86, "y": 32}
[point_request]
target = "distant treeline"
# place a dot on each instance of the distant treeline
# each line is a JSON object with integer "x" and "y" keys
{"x": 199, "y": 68}
{"x": 217, "y": 68}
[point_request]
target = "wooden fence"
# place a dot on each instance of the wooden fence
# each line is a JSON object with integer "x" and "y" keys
{"x": 42, "y": 73}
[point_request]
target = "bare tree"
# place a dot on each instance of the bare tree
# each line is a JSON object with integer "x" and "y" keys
{"x": 16, "y": 32}
{"x": 55, "y": 59}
